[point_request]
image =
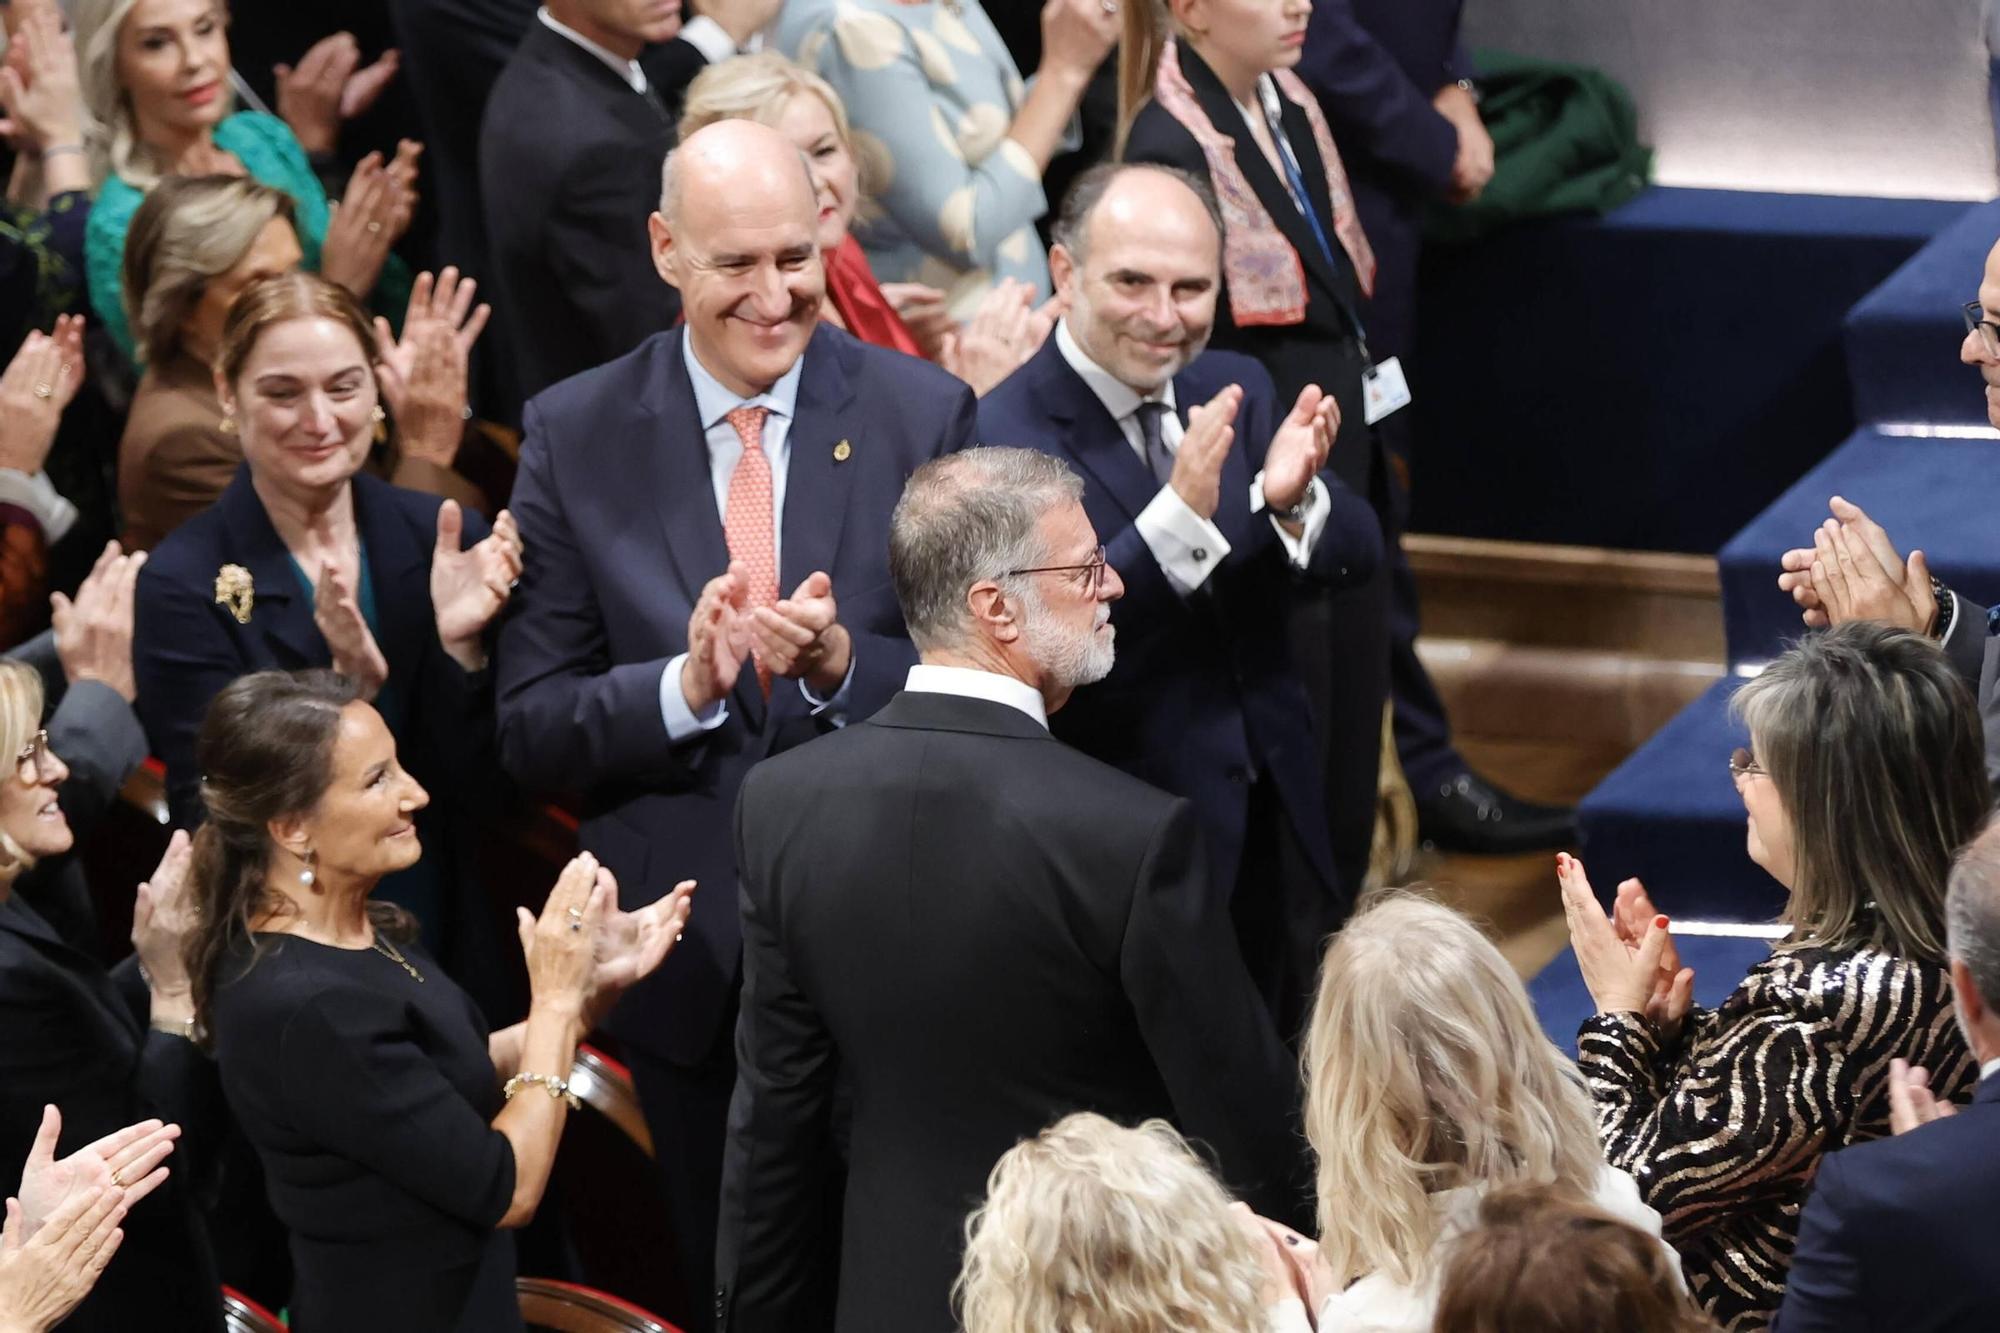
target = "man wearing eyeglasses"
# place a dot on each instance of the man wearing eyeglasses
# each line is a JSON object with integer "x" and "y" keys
{"x": 1213, "y": 502}
{"x": 1853, "y": 571}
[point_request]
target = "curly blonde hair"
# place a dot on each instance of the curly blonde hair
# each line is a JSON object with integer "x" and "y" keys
{"x": 1093, "y": 1228}
{"x": 1426, "y": 1070}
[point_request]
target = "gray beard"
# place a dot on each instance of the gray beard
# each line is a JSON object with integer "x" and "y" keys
{"x": 1069, "y": 658}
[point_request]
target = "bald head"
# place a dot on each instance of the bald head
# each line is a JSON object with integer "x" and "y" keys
{"x": 1972, "y": 913}
{"x": 739, "y": 156}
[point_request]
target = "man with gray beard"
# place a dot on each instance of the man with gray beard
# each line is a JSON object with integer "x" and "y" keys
{"x": 1213, "y": 503}
{"x": 981, "y": 928}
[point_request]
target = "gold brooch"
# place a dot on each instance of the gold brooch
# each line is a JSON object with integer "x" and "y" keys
{"x": 234, "y": 590}
{"x": 842, "y": 452}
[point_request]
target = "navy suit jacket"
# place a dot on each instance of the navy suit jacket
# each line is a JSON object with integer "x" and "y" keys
{"x": 1375, "y": 65}
{"x": 1203, "y": 695}
{"x": 618, "y": 516}
{"x": 186, "y": 646}
{"x": 1901, "y": 1233}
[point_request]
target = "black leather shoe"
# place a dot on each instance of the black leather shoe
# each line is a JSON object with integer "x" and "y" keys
{"x": 1467, "y": 813}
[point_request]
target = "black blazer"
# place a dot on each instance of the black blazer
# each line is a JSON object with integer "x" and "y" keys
{"x": 1900, "y": 1233}
{"x": 1203, "y": 695}
{"x": 569, "y": 169}
{"x": 984, "y": 930}
{"x": 617, "y": 511}
{"x": 1322, "y": 348}
{"x": 77, "y": 1036}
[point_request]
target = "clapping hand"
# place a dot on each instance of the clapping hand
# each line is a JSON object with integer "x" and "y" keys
{"x": 337, "y": 613}
{"x": 632, "y": 945}
{"x": 801, "y": 638}
{"x": 923, "y": 311}
{"x": 128, "y": 1161}
{"x": 1867, "y": 594}
{"x": 329, "y": 86}
{"x": 561, "y": 944}
{"x": 718, "y": 640}
{"x": 39, "y": 88}
{"x": 1621, "y": 973}
{"x": 996, "y": 340}
{"x": 1299, "y": 450}
{"x": 468, "y": 588}
{"x": 371, "y": 217}
{"x": 35, "y": 388}
{"x": 1912, "y": 1104}
{"x": 94, "y": 631}
{"x": 423, "y": 375}
{"x": 163, "y": 916}
{"x": 1211, "y": 429}
{"x": 1632, "y": 915}
{"x": 43, "y": 1277}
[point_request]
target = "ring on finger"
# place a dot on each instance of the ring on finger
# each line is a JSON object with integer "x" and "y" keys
{"x": 45, "y": 390}
{"x": 116, "y": 1179}
{"x": 374, "y": 228}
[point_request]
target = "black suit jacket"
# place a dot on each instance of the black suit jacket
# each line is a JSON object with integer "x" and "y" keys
{"x": 1203, "y": 696}
{"x": 617, "y": 511}
{"x": 1900, "y": 1233}
{"x": 569, "y": 167}
{"x": 77, "y": 1036}
{"x": 1322, "y": 348}
{"x": 984, "y": 930}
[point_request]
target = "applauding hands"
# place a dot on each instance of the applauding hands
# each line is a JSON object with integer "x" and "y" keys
{"x": 1298, "y": 451}
{"x": 328, "y": 87}
{"x": 372, "y": 216}
{"x": 468, "y": 588}
{"x": 799, "y": 637}
{"x": 1628, "y": 959}
{"x": 423, "y": 375}
{"x": 1853, "y": 572}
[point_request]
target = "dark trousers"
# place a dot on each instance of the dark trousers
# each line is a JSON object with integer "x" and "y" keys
{"x": 1283, "y": 912}
{"x": 687, "y": 1112}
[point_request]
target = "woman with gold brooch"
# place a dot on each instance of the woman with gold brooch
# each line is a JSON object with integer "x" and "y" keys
{"x": 308, "y": 561}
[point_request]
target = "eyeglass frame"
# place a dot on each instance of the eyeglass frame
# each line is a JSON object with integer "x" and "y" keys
{"x": 1976, "y": 322}
{"x": 33, "y": 756}
{"x": 1743, "y": 764}
{"x": 1097, "y": 568}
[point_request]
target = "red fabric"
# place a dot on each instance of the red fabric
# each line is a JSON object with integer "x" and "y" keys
{"x": 852, "y": 288}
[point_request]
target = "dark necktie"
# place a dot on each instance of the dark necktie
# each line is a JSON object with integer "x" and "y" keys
{"x": 1158, "y": 457}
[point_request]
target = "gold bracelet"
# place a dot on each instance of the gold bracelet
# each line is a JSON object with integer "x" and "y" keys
{"x": 554, "y": 1086}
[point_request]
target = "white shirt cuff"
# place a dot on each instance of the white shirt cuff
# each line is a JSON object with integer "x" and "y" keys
{"x": 683, "y": 723}
{"x": 37, "y": 495}
{"x": 1319, "y": 508}
{"x": 707, "y": 36}
{"x": 833, "y": 708}
{"x": 1287, "y": 1316}
{"x": 1186, "y": 546}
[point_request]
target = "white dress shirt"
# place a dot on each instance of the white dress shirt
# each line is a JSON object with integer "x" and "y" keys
{"x": 35, "y": 493}
{"x": 1186, "y": 546}
{"x": 710, "y": 38}
{"x": 627, "y": 70}
{"x": 972, "y": 683}
{"x": 1988, "y": 1070}
{"x": 713, "y": 403}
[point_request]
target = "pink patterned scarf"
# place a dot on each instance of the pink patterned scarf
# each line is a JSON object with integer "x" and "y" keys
{"x": 1266, "y": 277}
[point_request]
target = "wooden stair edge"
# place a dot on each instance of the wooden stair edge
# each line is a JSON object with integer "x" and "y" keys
{"x": 1497, "y": 690}
{"x": 1486, "y": 559}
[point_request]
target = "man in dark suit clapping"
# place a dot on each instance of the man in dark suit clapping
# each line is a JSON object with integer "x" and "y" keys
{"x": 980, "y": 927}
{"x": 1210, "y": 497}
{"x": 708, "y": 519}
{"x": 1899, "y": 1233}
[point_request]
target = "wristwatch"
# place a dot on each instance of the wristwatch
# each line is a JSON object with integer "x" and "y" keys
{"x": 1947, "y": 609}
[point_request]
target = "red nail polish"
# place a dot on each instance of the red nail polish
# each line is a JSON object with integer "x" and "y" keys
{"x": 1660, "y": 921}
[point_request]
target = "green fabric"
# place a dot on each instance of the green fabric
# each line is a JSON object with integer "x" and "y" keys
{"x": 1565, "y": 140}
{"x": 268, "y": 152}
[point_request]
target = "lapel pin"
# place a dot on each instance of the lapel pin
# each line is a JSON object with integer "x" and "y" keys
{"x": 842, "y": 452}
{"x": 235, "y": 590}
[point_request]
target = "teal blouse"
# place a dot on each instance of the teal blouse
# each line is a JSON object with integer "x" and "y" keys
{"x": 268, "y": 152}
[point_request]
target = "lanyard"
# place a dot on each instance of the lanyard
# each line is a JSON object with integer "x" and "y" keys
{"x": 1295, "y": 180}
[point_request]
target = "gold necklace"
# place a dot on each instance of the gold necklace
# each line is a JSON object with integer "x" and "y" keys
{"x": 390, "y": 952}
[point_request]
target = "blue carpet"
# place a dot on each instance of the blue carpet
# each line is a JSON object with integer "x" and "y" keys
{"x": 1670, "y": 816}
{"x": 1940, "y": 495}
{"x": 1562, "y": 1002}
{"x": 1903, "y": 337}
{"x": 1653, "y": 378}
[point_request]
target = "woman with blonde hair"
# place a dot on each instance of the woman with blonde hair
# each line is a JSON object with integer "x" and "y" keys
{"x": 1428, "y": 1082}
{"x": 1865, "y": 774}
{"x": 194, "y": 245}
{"x": 1004, "y": 330}
{"x": 156, "y": 86}
{"x": 1090, "y": 1227}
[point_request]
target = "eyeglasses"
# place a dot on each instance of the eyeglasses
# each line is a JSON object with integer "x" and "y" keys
{"x": 1976, "y": 322}
{"x": 33, "y": 761}
{"x": 1743, "y": 764}
{"x": 1095, "y": 568}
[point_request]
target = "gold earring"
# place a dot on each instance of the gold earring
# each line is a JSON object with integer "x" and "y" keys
{"x": 228, "y": 426}
{"x": 381, "y": 425}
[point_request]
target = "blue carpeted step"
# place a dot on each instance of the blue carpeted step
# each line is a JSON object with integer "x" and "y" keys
{"x": 1562, "y": 1002}
{"x": 1902, "y": 338}
{"x": 1942, "y": 495}
{"x": 1670, "y": 816}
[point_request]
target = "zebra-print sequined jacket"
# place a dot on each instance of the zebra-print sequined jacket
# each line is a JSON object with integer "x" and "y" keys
{"x": 1724, "y": 1126}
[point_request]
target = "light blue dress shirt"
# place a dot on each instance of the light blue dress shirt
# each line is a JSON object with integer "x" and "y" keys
{"x": 713, "y": 404}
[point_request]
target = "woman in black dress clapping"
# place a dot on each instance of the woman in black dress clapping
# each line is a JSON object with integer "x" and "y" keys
{"x": 400, "y": 1139}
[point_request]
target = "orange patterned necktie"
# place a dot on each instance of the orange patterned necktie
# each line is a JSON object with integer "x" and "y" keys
{"x": 747, "y": 523}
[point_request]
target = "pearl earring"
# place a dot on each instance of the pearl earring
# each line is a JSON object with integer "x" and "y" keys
{"x": 306, "y": 876}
